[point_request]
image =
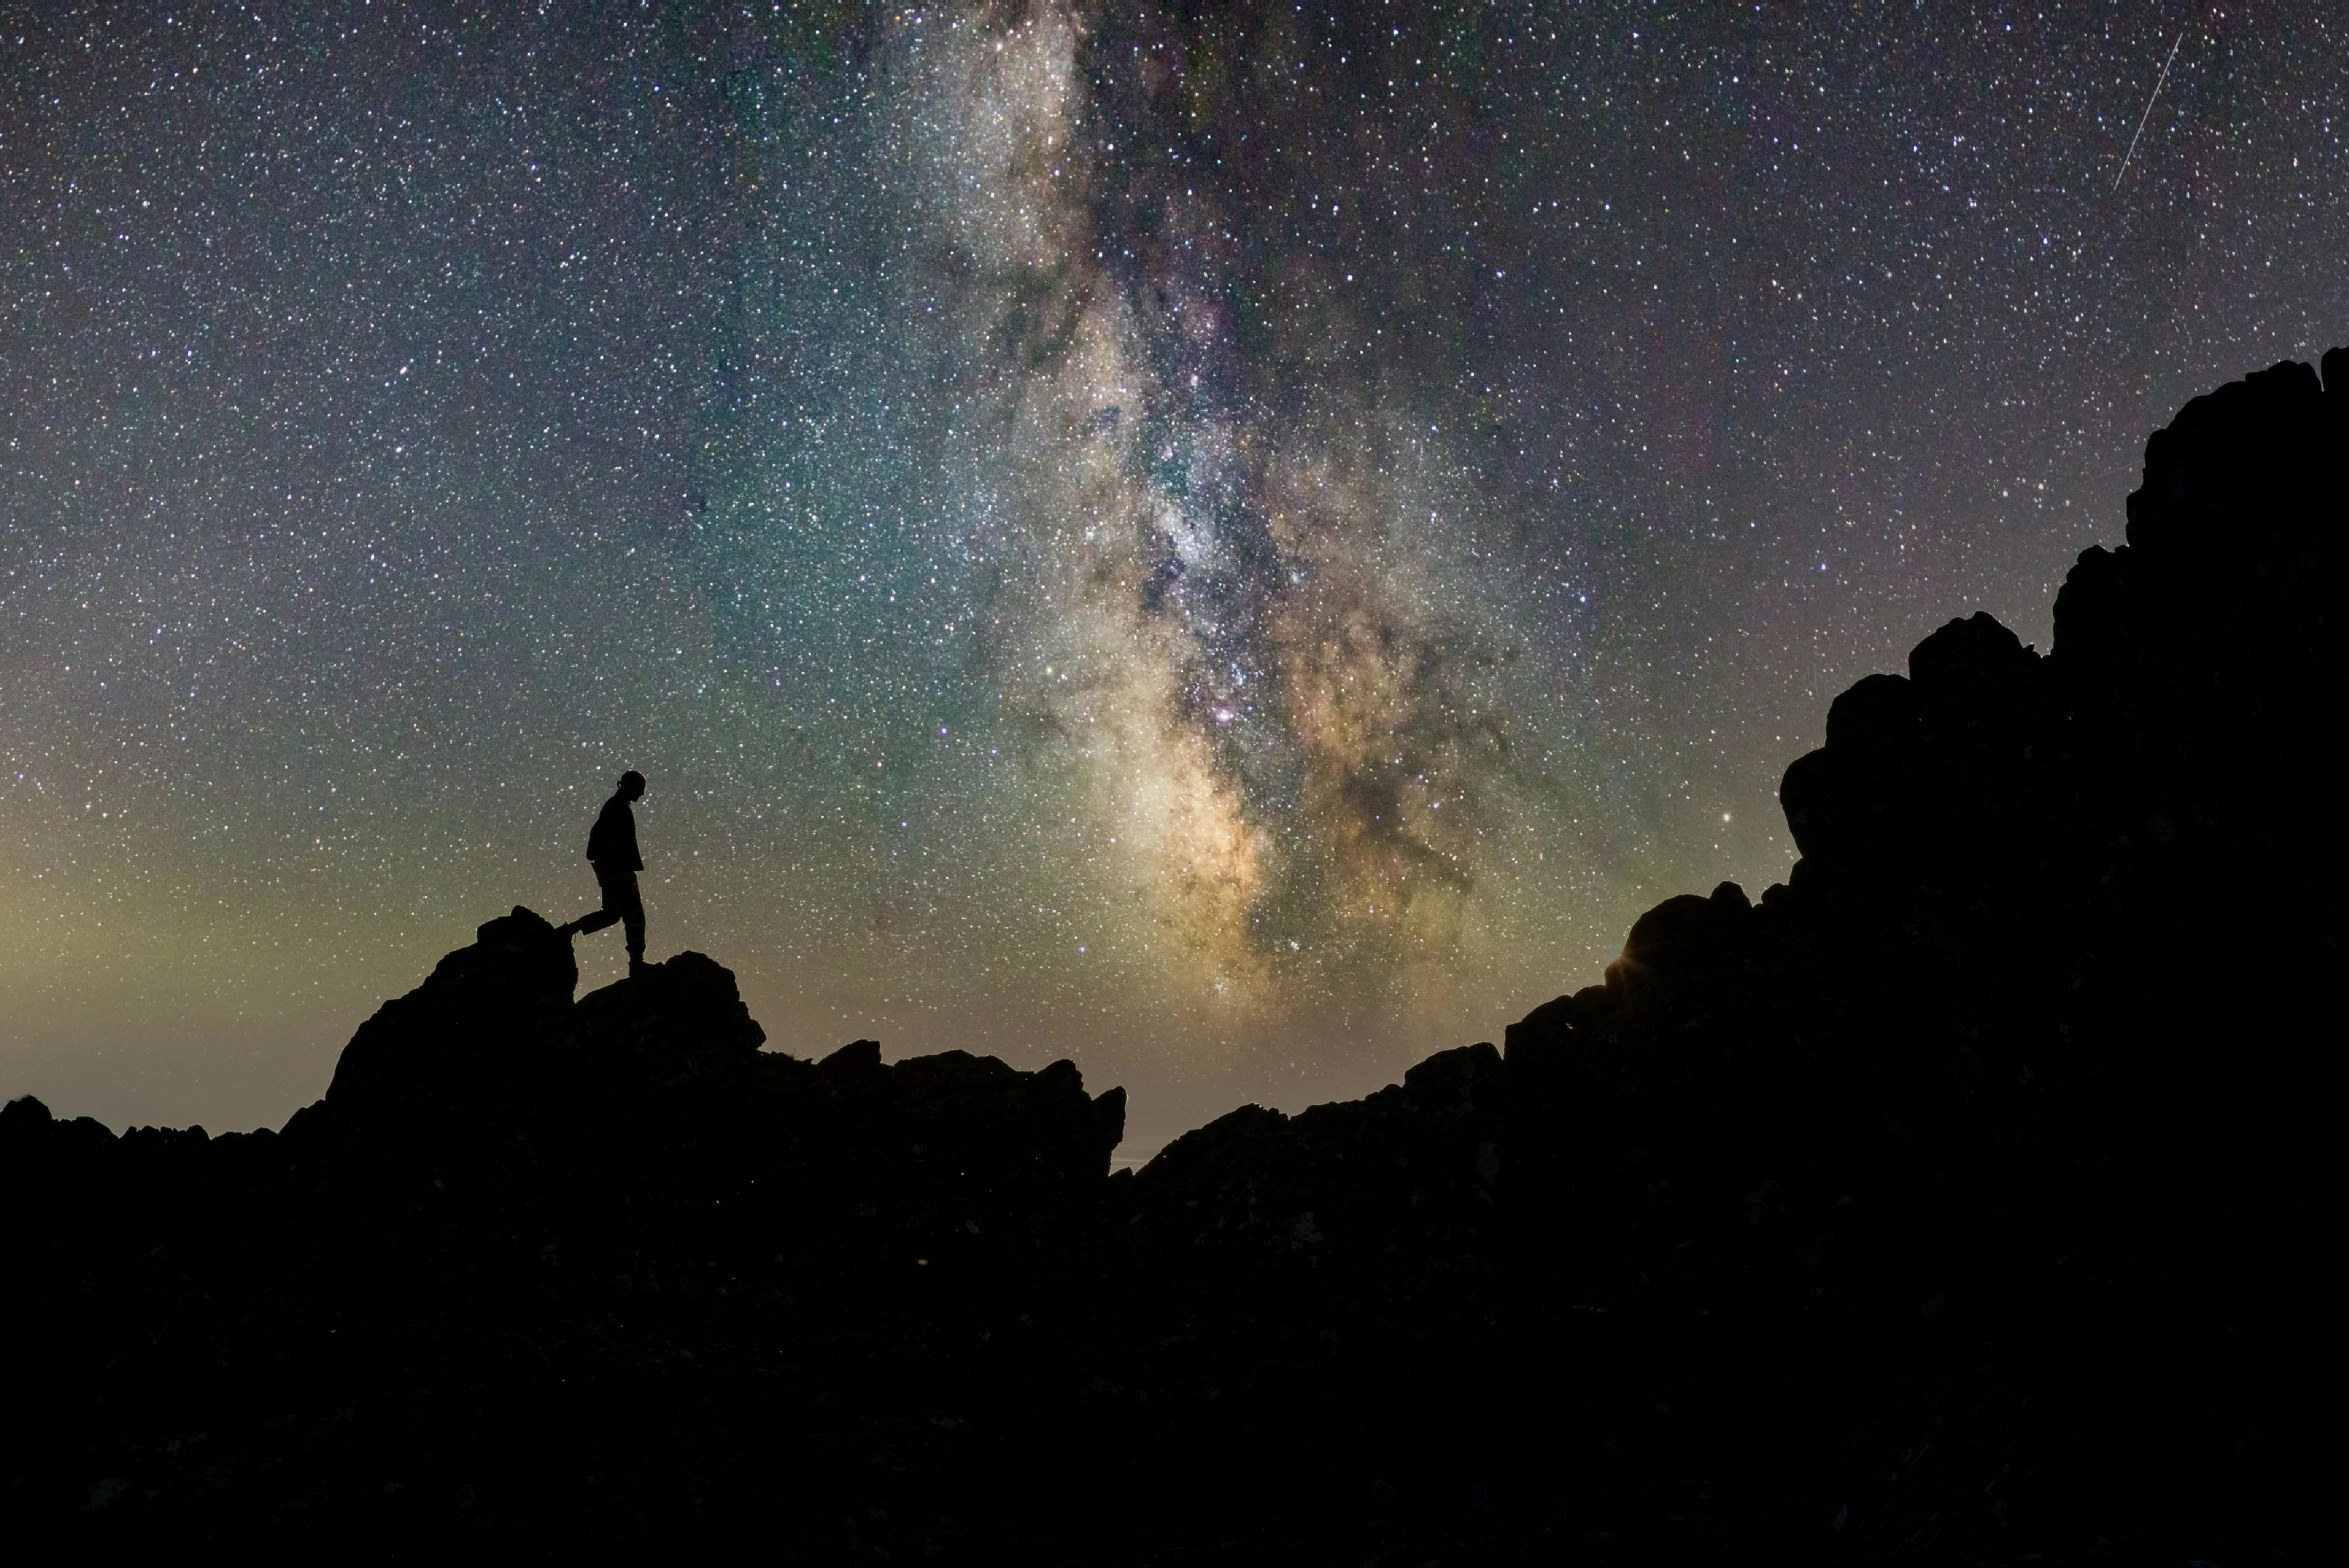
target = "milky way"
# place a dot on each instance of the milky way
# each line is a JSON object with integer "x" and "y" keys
{"x": 1241, "y": 544}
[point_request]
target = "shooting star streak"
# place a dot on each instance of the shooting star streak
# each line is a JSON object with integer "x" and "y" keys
{"x": 2148, "y": 114}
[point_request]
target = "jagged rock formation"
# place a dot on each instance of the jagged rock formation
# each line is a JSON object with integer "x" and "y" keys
{"x": 1958, "y": 1200}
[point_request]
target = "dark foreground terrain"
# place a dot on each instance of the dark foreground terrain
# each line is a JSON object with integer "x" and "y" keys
{"x": 1964, "y": 1199}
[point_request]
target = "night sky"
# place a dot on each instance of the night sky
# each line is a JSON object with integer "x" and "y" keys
{"x": 1242, "y": 544}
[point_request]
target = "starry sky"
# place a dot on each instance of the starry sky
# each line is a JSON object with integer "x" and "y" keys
{"x": 1238, "y": 543}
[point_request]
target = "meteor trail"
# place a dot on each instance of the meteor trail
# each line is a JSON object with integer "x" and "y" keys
{"x": 2148, "y": 114}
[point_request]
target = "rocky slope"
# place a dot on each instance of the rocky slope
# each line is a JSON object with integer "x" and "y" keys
{"x": 1960, "y": 1200}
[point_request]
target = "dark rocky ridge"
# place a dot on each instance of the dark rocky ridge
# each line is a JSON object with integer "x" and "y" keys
{"x": 1962, "y": 1200}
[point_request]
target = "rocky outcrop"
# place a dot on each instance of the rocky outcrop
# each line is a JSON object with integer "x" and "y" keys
{"x": 1957, "y": 1199}
{"x": 1994, "y": 1135}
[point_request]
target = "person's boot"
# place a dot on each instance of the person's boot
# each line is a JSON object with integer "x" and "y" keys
{"x": 637, "y": 967}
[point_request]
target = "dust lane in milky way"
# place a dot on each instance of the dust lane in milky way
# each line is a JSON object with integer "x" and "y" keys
{"x": 1242, "y": 546}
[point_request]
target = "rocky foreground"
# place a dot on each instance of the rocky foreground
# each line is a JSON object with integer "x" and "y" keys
{"x": 1964, "y": 1199}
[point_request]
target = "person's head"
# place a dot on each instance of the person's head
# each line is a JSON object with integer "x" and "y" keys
{"x": 632, "y": 785}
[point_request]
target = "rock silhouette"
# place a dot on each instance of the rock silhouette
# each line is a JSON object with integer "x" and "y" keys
{"x": 1961, "y": 1199}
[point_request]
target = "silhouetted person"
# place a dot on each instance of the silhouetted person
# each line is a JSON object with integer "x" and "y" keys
{"x": 611, "y": 849}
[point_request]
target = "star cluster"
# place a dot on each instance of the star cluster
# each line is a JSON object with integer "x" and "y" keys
{"x": 1239, "y": 543}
